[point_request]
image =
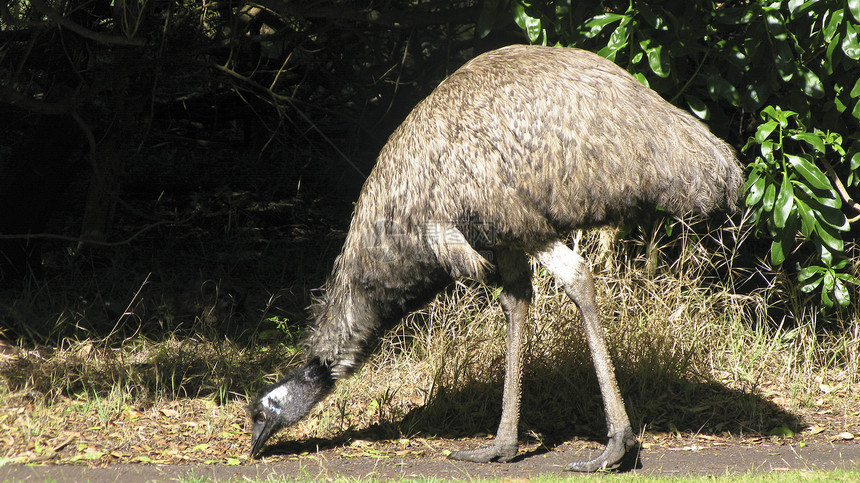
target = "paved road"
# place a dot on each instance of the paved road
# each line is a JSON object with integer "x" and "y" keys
{"x": 711, "y": 460}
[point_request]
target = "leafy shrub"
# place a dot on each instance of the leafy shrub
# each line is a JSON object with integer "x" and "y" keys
{"x": 784, "y": 75}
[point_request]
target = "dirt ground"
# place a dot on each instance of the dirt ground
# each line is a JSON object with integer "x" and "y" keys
{"x": 699, "y": 458}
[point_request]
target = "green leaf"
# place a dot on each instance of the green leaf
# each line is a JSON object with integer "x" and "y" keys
{"x": 769, "y": 197}
{"x": 764, "y": 130}
{"x": 778, "y": 114}
{"x": 784, "y": 202}
{"x": 825, "y": 299}
{"x": 829, "y": 281}
{"x": 811, "y": 285}
{"x": 841, "y": 294}
{"x": 806, "y": 273}
{"x": 597, "y": 23}
{"x": 697, "y": 107}
{"x": 735, "y": 16}
{"x": 619, "y": 36}
{"x": 800, "y": 7}
{"x": 831, "y": 28}
{"x": 783, "y": 60}
{"x": 652, "y": 18}
{"x": 531, "y": 25}
{"x": 657, "y": 59}
{"x": 830, "y": 240}
{"x": 756, "y": 190}
{"x": 487, "y": 18}
{"x": 855, "y": 91}
{"x": 518, "y": 11}
{"x": 813, "y": 139}
{"x": 777, "y": 255}
{"x": 775, "y": 24}
{"x": 810, "y": 172}
{"x": 533, "y": 28}
{"x": 818, "y": 202}
{"x": 825, "y": 254}
{"x": 851, "y": 42}
{"x": 767, "y": 150}
{"x": 830, "y": 63}
{"x": 846, "y": 277}
{"x": 756, "y": 94}
{"x": 782, "y": 432}
{"x": 807, "y": 217}
{"x": 854, "y": 8}
{"x": 856, "y": 111}
{"x": 811, "y": 84}
{"x": 834, "y": 218}
{"x": 608, "y": 53}
{"x": 737, "y": 56}
{"x": 720, "y": 87}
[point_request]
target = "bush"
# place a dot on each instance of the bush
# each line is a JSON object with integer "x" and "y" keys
{"x": 781, "y": 79}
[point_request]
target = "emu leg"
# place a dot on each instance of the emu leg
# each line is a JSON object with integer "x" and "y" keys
{"x": 515, "y": 274}
{"x": 568, "y": 268}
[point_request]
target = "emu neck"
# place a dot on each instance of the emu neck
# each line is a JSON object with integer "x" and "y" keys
{"x": 369, "y": 292}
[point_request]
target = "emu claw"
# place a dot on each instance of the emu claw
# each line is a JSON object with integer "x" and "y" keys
{"x": 485, "y": 454}
{"x": 617, "y": 447}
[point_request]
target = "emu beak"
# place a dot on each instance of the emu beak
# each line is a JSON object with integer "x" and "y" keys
{"x": 263, "y": 428}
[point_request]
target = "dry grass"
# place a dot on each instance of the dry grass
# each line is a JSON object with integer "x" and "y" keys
{"x": 693, "y": 355}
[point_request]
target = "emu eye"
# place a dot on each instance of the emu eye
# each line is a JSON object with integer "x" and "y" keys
{"x": 260, "y": 417}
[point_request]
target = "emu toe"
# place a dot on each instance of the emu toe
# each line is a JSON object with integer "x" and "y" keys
{"x": 494, "y": 452}
{"x": 617, "y": 447}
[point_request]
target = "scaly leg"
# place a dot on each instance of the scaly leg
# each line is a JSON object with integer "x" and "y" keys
{"x": 515, "y": 275}
{"x": 568, "y": 269}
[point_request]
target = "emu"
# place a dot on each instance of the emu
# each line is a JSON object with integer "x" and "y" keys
{"x": 525, "y": 143}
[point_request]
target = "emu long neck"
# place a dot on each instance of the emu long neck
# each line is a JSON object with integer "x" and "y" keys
{"x": 346, "y": 324}
{"x": 378, "y": 277}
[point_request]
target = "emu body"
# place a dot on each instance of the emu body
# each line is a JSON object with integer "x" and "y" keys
{"x": 518, "y": 145}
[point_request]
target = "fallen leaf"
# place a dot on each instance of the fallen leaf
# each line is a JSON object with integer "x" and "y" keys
{"x": 170, "y": 413}
{"x": 844, "y": 436}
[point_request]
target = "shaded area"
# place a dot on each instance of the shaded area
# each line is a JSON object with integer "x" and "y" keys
{"x": 550, "y": 419}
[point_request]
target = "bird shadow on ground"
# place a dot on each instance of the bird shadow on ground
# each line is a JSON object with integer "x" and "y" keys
{"x": 552, "y": 415}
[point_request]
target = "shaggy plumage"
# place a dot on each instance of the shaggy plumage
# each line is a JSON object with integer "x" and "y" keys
{"x": 518, "y": 145}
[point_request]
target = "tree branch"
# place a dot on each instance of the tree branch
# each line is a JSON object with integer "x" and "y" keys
{"x": 278, "y": 97}
{"x": 842, "y": 191}
{"x": 55, "y": 16}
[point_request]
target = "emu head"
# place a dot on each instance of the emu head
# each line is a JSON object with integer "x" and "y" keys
{"x": 288, "y": 401}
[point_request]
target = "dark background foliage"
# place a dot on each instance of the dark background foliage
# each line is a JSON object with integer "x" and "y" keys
{"x": 220, "y": 145}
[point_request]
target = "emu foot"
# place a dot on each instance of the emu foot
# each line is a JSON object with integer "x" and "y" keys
{"x": 501, "y": 452}
{"x": 619, "y": 444}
